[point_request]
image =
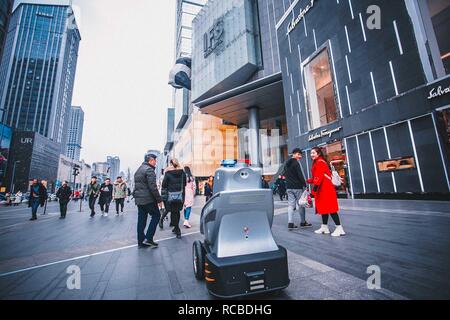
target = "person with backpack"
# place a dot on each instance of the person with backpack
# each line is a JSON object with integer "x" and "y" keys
{"x": 296, "y": 185}
{"x": 175, "y": 183}
{"x": 324, "y": 193}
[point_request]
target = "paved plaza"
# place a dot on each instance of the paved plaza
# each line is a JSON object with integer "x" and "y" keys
{"x": 408, "y": 240}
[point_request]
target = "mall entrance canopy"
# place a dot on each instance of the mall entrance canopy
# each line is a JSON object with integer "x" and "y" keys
{"x": 233, "y": 106}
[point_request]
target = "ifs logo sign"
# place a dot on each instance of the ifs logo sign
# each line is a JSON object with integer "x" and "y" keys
{"x": 214, "y": 38}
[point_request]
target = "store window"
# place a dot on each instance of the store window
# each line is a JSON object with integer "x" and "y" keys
{"x": 440, "y": 17}
{"x": 336, "y": 157}
{"x": 321, "y": 101}
{"x": 398, "y": 164}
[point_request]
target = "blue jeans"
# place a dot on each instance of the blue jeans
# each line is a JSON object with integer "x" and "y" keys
{"x": 34, "y": 207}
{"x": 143, "y": 212}
{"x": 187, "y": 213}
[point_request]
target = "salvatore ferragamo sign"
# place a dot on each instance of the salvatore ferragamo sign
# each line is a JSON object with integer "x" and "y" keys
{"x": 438, "y": 92}
{"x": 293, "y": 24}
{"x": 323, "y": 133}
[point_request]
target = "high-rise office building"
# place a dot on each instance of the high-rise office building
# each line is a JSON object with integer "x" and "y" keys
{"x": 186, "y": 119}
{"x": 5, "y": 13}
{"x": 38, "y": 70}
{"x": 185, "y": 14}
{"x": 114, "y": 167}
{"x": 75, "y": 134}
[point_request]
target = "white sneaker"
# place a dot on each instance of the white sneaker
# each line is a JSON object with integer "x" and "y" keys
{"x": 339, "y": 232}
{"x": 323, "y": 230}
{"x": 105, "y": 214}
{"x": 187, "y": 224}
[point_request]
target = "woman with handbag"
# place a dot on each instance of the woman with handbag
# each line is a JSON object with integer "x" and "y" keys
{"x": 324, "y": 193}
{"x": 175, "y": 183}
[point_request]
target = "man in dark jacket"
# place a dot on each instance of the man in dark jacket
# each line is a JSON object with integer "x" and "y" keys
{"x": 64, "y": 195}
{"x": 295, "y": 184}
{"x": 38, "y": 196}
{"x": 106, "y": 195}
{"x": 148, "y": 201}
{"x": 93, "y": 192}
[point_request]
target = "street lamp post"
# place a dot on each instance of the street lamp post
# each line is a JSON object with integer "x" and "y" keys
{"x": 13, "y": 176}
{"x": 76, "y": 172}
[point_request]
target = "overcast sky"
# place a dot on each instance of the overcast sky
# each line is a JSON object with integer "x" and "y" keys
{"x": 126, "y": 52}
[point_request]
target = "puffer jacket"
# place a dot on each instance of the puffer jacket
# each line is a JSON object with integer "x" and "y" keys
{"x": 120, "y": 190}
{"x": 145, "y": 187}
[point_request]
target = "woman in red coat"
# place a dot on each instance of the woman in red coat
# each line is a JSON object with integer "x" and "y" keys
{"x": 324, "y": 193}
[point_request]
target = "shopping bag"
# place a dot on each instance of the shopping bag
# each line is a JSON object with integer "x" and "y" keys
{"x": 305, "y": 200}
{"x": 335, "y": 177}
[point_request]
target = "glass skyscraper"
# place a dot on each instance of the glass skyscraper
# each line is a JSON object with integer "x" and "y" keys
{"x": 114, "y": 167}
{"x": 38, "y": 70}
{"x": 5, "y": 13}
{"x": 75, "y": 134}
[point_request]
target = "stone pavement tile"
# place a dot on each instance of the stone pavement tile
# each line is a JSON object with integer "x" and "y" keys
{"x": 22, "y": 296}
{"x": 307, "y": 289}
{"x": 99, "y": 290}
{"x": 339, "y": 281}
{"x": 9, "y": 282}
{"x": 108, "y": 272}
{"x": 366, "y": 294}
{"x": 125, "y": 294}
{"x": 51, "y": 287}
{"x": 299, "y": 270}
{"x": 38, "y": 279}
{"x": 154, "y": 293}
{"x": 88, "y": 285}
{"x": 122, "y": 282}
{"x": 140, "y": 257}
{"x": 96, "y": 264}
{"x": 195, "y": 289}
{"x": 155, "y": 276}
{"x": 310, "y": 263}
{"x": 53, "y": 295}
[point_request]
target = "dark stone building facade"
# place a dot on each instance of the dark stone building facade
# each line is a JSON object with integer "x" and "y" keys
{"x": 36, "y": 157}
{"x": 367, "y": 80}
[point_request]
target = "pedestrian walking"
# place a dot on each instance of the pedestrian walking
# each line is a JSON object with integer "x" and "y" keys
{"x": 175, "y": 183}
{"x": 295, "y": 185}
{"x": 64, "y": 196}
{"x": 324, "y": 193}
{"x": 38, "y": 197}
{"x": 148, "y": 201}
{"x": 18, "y": 198}
{"x": 105, "y": 197}
{"x": 209, "y": 188}
{"x": 8, "y": 199}
{"x": 281, "y": 187}
{"x": 93, "y": 192}
{"x": 120, "y": 192}
{"x": 164, "y": 211}
{"x": 189, "y": 196}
